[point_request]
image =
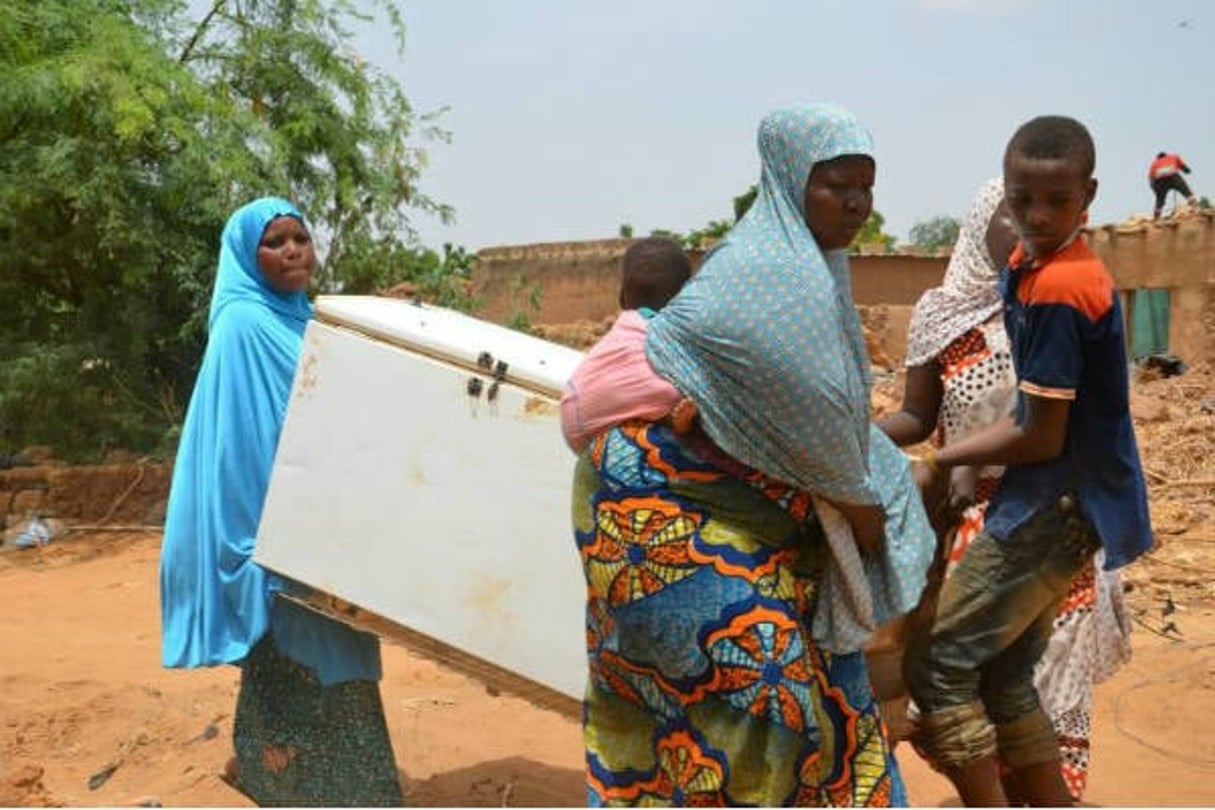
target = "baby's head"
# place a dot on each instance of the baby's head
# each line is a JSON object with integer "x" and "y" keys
{"x": 654, "y": 269}
{"x": 1048, "y": 181}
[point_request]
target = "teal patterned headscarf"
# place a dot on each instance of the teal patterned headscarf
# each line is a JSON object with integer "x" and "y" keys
{"x": 765, "y": 338}
{"x": 767, "y": 342}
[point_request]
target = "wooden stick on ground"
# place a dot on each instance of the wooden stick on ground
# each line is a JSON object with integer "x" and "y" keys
{"x": 1194, "y": 482}
{"x": 93, "y": 527}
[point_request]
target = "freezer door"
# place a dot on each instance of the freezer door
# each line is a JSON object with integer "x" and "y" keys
{"x": 456, "y": 338}
{"x": 435, "y": 496}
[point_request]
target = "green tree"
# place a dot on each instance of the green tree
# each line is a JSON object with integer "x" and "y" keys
{"x": 742, "y": 203}
{"x": 710, "y": 233}
{"x": 717, "y": 228}
{"x": 674, "y": 236}
{"x": 336, "y": 131}
{"x": 872, "y": 236}
{"x": 128, "y": 133}
{"x": 444, "y": 279}
{"x": 936, "y": 233}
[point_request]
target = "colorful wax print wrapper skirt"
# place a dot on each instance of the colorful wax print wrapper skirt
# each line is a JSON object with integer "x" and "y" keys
{"x": 705, "y": 686}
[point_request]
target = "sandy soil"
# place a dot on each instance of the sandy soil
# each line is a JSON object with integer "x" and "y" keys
{"x": 82, "y": 695}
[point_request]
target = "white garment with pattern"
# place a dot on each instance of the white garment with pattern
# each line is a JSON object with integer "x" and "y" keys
{"x": 968, "y": 295}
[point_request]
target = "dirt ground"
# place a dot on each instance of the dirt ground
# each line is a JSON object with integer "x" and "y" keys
{"x": 88, "y": 716}
{"x": 82, "y": 695}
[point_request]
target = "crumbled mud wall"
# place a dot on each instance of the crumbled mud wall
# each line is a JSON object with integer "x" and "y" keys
{"x": 1177, "y": 254}
{"x": 127, "y": 493}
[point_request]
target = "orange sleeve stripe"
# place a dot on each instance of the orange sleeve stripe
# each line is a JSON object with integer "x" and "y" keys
{"x": 1042, "y": 391}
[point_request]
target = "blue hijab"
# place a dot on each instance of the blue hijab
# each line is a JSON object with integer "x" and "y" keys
{"x": 216, "y": 603}
{"x": 766, "y": 340}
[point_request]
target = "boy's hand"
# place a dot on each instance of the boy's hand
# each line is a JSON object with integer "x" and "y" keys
{"x": 934, "y": 492}
{"x": 963, "y": 481}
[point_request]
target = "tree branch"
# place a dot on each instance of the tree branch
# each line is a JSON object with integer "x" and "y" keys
{"x": 200, "y": 30}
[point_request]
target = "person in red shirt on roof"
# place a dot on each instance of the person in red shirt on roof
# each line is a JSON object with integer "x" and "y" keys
{"x": 1164, "y": 175}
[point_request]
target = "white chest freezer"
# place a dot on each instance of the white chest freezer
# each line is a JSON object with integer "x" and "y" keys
{"x": 422, "y": 489}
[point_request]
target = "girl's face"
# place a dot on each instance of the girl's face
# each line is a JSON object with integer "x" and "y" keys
{"x": 285, "y": 255}
{"x": 839, "y": 199}
{"x": 1048, "y": 199}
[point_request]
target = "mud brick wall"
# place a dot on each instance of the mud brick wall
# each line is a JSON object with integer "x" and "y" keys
{"x": 579, "y": 281}
{"x": 133, "y": 493}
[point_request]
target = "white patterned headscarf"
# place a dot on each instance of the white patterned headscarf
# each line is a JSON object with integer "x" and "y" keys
{"x": 969, "y": 294}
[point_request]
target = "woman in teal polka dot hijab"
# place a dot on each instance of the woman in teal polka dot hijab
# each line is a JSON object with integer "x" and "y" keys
{"x": 766, "y": 340}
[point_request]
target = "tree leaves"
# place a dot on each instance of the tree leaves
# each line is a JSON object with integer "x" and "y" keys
{"x": 936, "y": 233}
{"x": 129, "y": 131}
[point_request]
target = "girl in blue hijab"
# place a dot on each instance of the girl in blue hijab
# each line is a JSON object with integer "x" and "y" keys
{"x": 309, "y": 727}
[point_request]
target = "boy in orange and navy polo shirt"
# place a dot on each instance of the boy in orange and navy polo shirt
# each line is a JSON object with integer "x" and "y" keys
{"x": 1073, "y": 483}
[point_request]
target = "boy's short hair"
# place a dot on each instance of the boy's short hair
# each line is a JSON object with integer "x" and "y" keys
{"x": 1055, "y": 137}
{"x": 653, "y": 270}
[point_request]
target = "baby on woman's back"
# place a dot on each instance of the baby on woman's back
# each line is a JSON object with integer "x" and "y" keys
{"x": 615, "y": 383}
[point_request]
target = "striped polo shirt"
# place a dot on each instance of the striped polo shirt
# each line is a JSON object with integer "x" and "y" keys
{"x": 1066, "y": 333}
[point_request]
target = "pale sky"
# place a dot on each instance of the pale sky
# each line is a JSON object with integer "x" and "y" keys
{"x": 570, "y": 117}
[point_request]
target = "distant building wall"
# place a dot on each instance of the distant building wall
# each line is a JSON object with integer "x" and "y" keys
{"x": 579, "y": 281}
{"x": 1177, "y": 255}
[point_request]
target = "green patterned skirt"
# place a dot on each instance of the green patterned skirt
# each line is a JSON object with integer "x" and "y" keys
{"x": 302, "y": 744}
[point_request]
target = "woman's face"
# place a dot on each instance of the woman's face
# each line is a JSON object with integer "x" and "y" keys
{"x": 1001, "y": 236}
{"x": 285, "y": 255}
{"x": 839, "y": 199}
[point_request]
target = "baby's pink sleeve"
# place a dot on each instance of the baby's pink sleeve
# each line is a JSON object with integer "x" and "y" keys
{"x": 613, "y": 384}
